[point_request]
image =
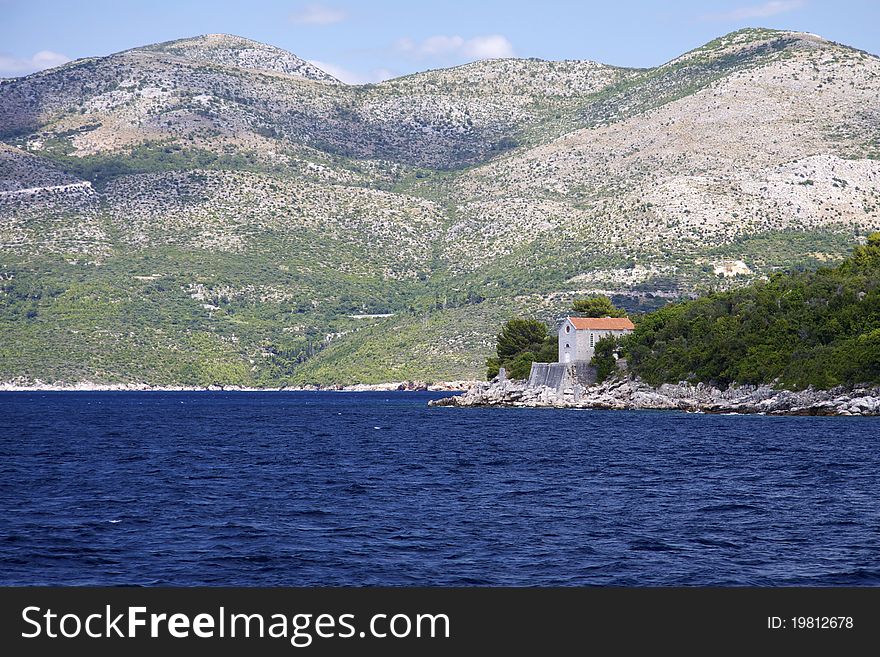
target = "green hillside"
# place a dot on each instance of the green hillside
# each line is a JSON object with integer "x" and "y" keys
{"x": 216, "y": 210}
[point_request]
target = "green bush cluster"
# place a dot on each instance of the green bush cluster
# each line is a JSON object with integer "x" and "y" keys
{"x": 604, "y": 357}
{"x": 151, "y": 158}
{"x": 818, "y": 329}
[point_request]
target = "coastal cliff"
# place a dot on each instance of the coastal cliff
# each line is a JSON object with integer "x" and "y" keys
{"x": 633, "y": 394}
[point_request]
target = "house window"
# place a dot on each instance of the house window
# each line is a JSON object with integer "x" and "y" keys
{"x": 591, "y": 339}
{"x": 567, "y": 328}
{"x": 567, "y": 346}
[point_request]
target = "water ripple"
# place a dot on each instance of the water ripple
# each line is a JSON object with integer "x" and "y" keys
{"x": 147, "y": 489}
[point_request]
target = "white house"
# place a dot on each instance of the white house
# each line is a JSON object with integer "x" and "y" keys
{"x": 578, "y": 335}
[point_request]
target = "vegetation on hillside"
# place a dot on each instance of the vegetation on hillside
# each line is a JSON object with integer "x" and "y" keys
{"x": 195, "y": 213}
{"x": 818, "y": 329}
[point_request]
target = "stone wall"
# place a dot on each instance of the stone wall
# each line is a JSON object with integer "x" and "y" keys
{"x": 561, "y": 375}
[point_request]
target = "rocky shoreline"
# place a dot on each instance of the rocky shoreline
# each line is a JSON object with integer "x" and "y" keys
{"x": 87, "y": 386}
{"x": 633, "y": 394}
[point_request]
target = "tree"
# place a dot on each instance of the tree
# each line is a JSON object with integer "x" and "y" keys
{"x": 603, "y": 357}
{"x": 520, "y": 343}
{"x": 521, "y": 366}
{"x": 493, "y": 367}
{"x": 549, "y": 351}
{"x": 597, "y": 306}
{"x": 518, "y": 336}
{"x": 865, "y": 257}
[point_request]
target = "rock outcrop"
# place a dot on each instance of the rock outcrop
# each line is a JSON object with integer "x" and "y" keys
{"x": 632, "y": 394}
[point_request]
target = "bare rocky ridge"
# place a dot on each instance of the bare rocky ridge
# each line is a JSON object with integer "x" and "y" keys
{"x": 220, "y": 91}
{"x": 632, "y": 394}
{"x": 231, "y": 50}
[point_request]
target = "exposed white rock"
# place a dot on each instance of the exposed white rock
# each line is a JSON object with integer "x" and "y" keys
{"x": 633, "y": 394}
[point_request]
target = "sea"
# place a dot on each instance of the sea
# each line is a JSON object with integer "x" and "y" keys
{"x": 378, "y": 488}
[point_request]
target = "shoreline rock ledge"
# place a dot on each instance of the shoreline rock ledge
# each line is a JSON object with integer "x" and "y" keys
{"x": 634, "y": 394}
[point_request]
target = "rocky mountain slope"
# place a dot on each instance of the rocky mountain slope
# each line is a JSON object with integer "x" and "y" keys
{"x": 229, "y": 50}
{"x": 219, "y": 210}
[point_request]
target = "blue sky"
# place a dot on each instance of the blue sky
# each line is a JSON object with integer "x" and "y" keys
{"x": 368, "y": 41}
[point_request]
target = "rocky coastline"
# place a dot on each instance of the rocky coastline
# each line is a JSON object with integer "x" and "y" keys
{"x": 88, "y": 386}
{"x": 634, "y": 394}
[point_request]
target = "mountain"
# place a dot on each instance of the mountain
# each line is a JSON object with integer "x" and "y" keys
{"x": 234, "y": 51}
{"x": 218, "y": 210}
{"x": 226, "y": 94}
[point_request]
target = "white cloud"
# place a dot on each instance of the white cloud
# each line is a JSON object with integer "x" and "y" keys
{"x": 491, "y": 46}
{"x": 434, "y": 46}
{"x": 771, "y": 8}
{"x": 14, "y": 66}
{"x": 317, "y": 15}
{"x": 352, "y": 77}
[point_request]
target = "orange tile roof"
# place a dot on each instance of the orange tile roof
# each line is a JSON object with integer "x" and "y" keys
{"x": 602, "y": 323}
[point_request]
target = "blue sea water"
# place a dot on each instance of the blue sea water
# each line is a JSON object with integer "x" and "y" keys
{"x": 314, "y": 488}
